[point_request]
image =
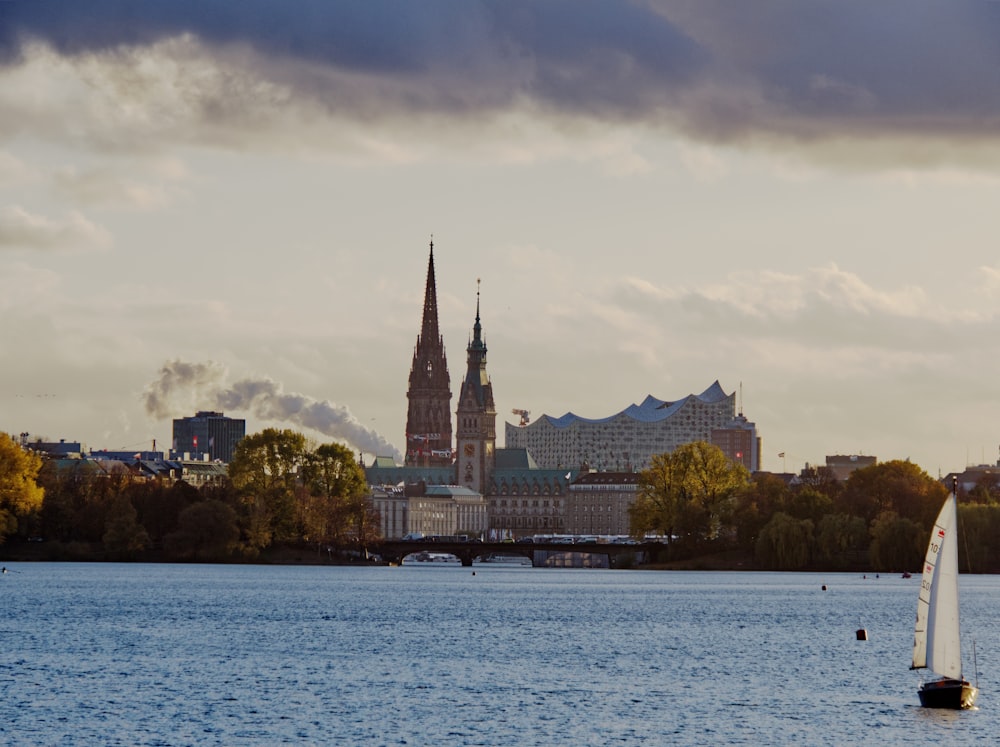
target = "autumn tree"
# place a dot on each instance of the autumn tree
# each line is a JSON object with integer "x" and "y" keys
{"x": 335, "y": 505}
{"x": 20, "y": 494}
{"x": 896, "y": 486}
{"x": 687, "y": 493}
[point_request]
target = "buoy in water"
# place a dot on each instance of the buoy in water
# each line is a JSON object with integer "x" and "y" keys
{"x": 824, "y": 587}
{"x": 862, "y": 634}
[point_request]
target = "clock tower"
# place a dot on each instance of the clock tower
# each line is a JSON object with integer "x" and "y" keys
{"x": 477, "y": 416}
{"x": 428, "y": 416}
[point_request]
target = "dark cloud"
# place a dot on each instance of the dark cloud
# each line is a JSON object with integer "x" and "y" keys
{"x": 720, "y": 70}
{"x": 611, "y": 58}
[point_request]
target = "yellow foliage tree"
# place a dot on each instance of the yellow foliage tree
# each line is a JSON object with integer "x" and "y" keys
{"x": 20, "y": 495}
{"x": 687, "y": 492}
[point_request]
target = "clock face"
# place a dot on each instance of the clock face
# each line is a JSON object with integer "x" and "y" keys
{"x": 470, "y": 449}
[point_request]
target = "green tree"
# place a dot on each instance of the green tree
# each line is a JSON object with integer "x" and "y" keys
{"x": 20, "y": 494}
{"x": 363, "y": 521}
{"x": 785, "y": 543}
{"x": 688, "y": 492}
{"x": 331, "y": 471}
{"x": 838, "y": 537}
{"x": 336, "y": 490}
{"x": 101, "y": 488}
{"x": 265, "y": 474}
{"x": 763, "y": 495}
{"x": 159, "y": 505}
{"x": 64, "y": 494}
{"x": 979, "y": 533}
{"x": 898, "y": 543}
{"x": 124, "y": 535}
{"x": 809, "y": 503}
{"x": 208, "y": 530}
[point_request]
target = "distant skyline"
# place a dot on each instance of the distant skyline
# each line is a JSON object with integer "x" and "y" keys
{"x": 228, "y": 206}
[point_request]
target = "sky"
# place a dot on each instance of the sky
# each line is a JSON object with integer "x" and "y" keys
{"x": 228, "y": 206}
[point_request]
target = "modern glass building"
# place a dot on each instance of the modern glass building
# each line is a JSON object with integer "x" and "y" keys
{"x": 209, "y": 433}
{"x": 627, "y": 440}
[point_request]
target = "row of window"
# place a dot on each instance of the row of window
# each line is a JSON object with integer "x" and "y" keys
{"x": 524, "y": 503}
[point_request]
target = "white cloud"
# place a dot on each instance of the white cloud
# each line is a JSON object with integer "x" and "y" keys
{"x": 107, "y": 186}
{"x": 20, "y": 229}
{"x": 990, "y": 279}
{"x": 705, "y": 162}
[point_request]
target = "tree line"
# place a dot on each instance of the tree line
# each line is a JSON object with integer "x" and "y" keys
{"x": 281, "y": 490}
{"x": 880, "y": 518}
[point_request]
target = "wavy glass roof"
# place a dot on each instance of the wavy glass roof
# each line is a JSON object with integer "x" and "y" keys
{"x": 651, "y": 410}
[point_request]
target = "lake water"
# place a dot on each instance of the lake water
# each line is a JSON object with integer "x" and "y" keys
{"x": 436, "y": 654}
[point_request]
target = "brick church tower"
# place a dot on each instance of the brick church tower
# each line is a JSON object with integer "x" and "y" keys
{"x": 428, "y": 417}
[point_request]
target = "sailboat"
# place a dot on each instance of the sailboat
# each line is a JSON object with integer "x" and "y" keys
{"x": 936, "y": 644}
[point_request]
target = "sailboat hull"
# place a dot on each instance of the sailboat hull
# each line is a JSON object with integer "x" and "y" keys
{"x": 947, "y": 693}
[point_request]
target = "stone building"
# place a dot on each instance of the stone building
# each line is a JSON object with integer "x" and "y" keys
{"x": 598, "y": 503}
{"x": 525, "y": 499}
{"x": 840, "y": 466}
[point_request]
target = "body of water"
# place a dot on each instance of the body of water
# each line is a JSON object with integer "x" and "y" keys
{"x": 429, "y": 654}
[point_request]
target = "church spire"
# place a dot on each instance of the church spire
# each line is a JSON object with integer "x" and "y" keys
{"x": 429, "y": 326}
{"x": 477, "y": 381}
{"x": 477, "y": 343}
{"x": 428, "y": 419}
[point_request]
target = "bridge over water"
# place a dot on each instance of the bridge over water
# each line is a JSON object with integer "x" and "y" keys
{"x": 395, "y": 550}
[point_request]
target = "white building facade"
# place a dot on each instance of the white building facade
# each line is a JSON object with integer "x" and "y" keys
{"x": 627, "y": 440}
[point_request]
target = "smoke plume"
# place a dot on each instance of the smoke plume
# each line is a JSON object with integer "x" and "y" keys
{"x": 183, "y": 387}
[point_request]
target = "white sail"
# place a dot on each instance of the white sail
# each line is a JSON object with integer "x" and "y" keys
{"x": 936, "y": 639}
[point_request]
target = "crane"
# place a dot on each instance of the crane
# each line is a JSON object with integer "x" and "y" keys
{"x": 524, "y": 415}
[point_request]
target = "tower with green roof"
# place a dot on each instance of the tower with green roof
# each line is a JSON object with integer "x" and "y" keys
{"x": 476, "y": 432}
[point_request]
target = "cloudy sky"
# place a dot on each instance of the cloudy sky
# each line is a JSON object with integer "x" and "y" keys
{"x": 228, "y": 205}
